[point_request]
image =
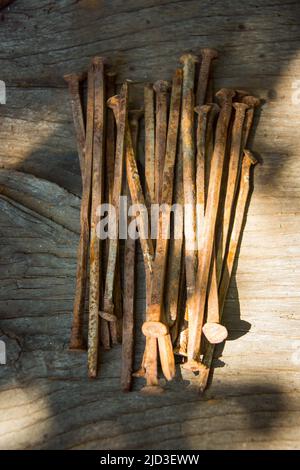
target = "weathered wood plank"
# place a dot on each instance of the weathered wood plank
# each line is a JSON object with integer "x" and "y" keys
{"x": 45, "y": 398}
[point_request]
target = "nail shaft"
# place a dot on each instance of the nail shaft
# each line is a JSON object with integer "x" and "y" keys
{"x": 189, "y": 176}
{"x": 97, "y": 198}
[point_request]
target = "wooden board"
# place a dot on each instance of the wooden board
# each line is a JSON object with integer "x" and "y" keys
{"x": 46, "y": 401}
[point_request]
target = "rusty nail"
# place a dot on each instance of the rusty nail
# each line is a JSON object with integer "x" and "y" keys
{"x": 73, "y": 80}
{"x": 232, "y": 181}
{"x": 118, "y": 104}
{"x": 207, "y": 55}
{"x": 76, "y": 340}
{"x": 96, "y": 199}
{"x": 242, "y": 199}
{"x": 154, "y": 327}
{"x": 137, "y": 196}
{"x": 108, "y": 330}
{"x": 189, "y": 176}
{"x": 129, "y": 275}
{"x": 225, "y": 97}
{"x": 212, "y": 330}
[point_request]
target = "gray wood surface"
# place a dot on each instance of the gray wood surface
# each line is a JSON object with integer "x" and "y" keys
{"x": 46, "y": 401}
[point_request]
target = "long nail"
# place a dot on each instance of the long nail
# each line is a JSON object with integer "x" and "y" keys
{"x": 96, "y": 200}
{"x": 225, "y": 97}
{"x": 154, "y": 327}
{"x": 129, "y": 280}
{"x": 118, "y": 104}
{"x": 77, "y": 340}
{"x": 212, "y": 330}
{"x": 232, "y": 180}
{"x": 242, "y": 200}
{"x": 108, "y": 330}
{"x": 189, "y": 176}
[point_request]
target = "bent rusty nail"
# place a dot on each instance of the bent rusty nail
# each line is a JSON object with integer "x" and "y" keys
{"x": 118, "y": 104}
{"x": 129, "y": 275}
{"x": 161, "y": 88}
{"x": 207, "y": 55}
{"x": 73, "y": 80}
{"x": 199, "y": 300}
{"x": 154, "y": 327}
{"x": 252, "y": 103}
{"x": 189, "y": 176}
{"x": 232, "y": 181}
{"x": 242, "y": 200}
{"x": 77, "y": 341}
{"x": 96, "y": 200}
{"x": 149, "y": 145}
{"x": 137, "y": 196}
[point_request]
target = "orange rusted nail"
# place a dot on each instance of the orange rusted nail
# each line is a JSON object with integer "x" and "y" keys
{"x": 154, "y": 326}
{"x": 242, "y": 199}
{"x": 199, "y": 300}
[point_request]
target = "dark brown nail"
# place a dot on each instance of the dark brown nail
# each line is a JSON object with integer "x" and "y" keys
{"x": 96, "y": 200}
{"x": 77, "y": 340}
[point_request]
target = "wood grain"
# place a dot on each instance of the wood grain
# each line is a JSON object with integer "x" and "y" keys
{"x": 45, "y": 398}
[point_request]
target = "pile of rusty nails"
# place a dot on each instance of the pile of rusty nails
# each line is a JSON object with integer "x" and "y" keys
{"x": 195, "y": 155}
